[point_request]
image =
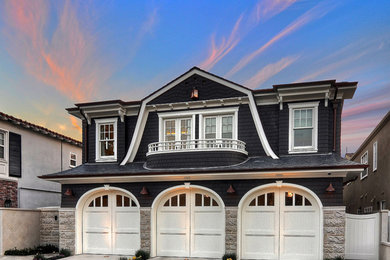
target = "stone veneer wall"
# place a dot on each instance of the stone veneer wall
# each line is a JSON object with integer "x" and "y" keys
{"x": 334, "y": 232}
{"x": 145, "y": 228}
{"x": 9, "y": 190}
{"x": 231, "y": 229}
{"x": 49, "y": 226}
{"x": 67, "y": 228}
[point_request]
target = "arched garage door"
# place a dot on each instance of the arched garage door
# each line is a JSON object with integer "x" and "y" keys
{"x": 190, "y": 223}
{"x": 280, "y": 223}
{"x": 111, "y": 224}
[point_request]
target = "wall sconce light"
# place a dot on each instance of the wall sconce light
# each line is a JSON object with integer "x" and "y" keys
{"x": 7, "y": 203}
{"x": 68, "y": 192}
{"x": 194, "y": 94}
{"x": 144, "y": 191}
{"x": 231, "y": 190}
{"x": 330, "y": 188}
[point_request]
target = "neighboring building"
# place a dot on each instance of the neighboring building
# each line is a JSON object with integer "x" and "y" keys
{"x": 370, "y": 191}
{"x": 205, "y": 166}
{"x": 27, "y": 151}
{"x": 348, "y": 156}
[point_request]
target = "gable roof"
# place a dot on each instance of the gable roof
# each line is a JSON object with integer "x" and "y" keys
{"x": 143, "y": 113}
{"x": 38, "y": 129}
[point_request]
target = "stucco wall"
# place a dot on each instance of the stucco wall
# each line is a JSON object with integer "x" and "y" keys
{"x": 19, "y": 228}
{"x": 41, "y": 155}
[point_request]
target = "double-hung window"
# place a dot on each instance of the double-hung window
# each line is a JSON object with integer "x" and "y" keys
{"x": 303, "y": 127}
{"x": 375, "y": 156}
{"x": 364, "y": 160}
{"x": 106, "y": 139}
{"x": 2, "y": 145}
{"x": 72, "y": 160}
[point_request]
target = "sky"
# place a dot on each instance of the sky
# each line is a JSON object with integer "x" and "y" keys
{"x": 54, "y": 54}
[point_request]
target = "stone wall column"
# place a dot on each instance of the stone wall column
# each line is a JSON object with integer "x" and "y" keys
{"x": 145, "y": 228}
{"x": 49, "y": 230}
{"x": 334, "y": 231}
{"x": 67, "y": 228}
{"x": 231, "y": 229}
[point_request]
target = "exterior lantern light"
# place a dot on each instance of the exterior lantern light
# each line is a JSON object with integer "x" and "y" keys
{"x": 7, "y": 203}
{"x": 144, "y": 191}
{"x": 194, "y": 94}
{"x": 330, "y": 188}
{"x": 231, "y": 190}
{"x": 68, "y": 192}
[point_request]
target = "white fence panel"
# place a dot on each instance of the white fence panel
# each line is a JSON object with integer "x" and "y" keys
{"x": 362, "y": 234}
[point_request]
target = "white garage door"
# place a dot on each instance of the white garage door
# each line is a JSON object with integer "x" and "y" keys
{"x": 190, "y": 223}
{"x": 280, "y": 224}
{"x": 111, "y": 224}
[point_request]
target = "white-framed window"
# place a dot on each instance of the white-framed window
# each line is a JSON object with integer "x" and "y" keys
{"x": 3, "y": 145}
{"x": 364, "y": 160}
{"x": 178, "y": 129}
{"x": 72, "y": 160}
{"x": 106, "y": 139}
{"x": 368, "y": 210}
{"x": 218, "y": 127}
{"x": 303, "y": 127}
{"x": 375, "y": 156}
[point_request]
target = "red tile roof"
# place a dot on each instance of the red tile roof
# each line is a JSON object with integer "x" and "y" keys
{"x": 37, "y": 128}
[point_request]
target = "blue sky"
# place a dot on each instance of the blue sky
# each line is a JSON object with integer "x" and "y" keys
{"x": 57, "y": 53}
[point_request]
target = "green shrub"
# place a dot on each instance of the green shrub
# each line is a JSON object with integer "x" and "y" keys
{"x": 25, "y": 251}
{"x": 123, "y": 258}
{"x": 335, "y": 258}
{"x": 47, "y": 249}
{"x": 142, "y": 254}
{"x": 65, "y": 252}
{"x": 231, "y": 256}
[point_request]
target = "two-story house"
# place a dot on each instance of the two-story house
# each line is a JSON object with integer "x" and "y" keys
{"x": 369, "y": 191}
{"x": 204, "y": 166}
{"x": 26, "y": 152}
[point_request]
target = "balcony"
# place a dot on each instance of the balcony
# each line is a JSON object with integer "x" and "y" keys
{"x": 196, "y": 153}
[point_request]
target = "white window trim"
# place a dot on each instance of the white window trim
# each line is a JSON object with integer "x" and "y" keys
{"x": 177, "y": 126}
{"x": 375, "y": 156}
{"x": 201, "y": 113}
{"x": 218, "y": 133}
{"x": 4, "y": 161}
{"x": 70, "y": 160}
{"x": 99, "y": 122}
{"x": 314, "y": 148}
{"x": 366, "y": 169}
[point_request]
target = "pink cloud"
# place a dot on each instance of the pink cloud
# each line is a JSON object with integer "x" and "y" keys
{"x": 218, "y": 52}
{"x": 75, "y": 123}
{"x": 268, "y": 8}
{"x": 269, "y": 71}
{"x": 315, "y": 13}
{"x": 264, "y": 10}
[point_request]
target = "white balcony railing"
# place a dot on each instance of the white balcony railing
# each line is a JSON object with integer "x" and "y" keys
{"x": 197, "y": 145}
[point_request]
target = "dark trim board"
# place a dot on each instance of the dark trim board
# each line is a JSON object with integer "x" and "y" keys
{"x": 241, "y": 187}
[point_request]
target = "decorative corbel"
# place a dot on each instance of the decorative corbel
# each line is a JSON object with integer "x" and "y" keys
{"x": 171, "y": 106}
{"x": 326, "y": 99}
{"x": 240, "y": 100}
{"x": 280, "y": 99}
{"x": 222, "y": 102}
{"x": 121, "y": 113}
{"x": 204, "y": 103}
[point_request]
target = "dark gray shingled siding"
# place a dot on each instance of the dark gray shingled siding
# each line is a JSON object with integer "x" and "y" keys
{"x": 317, "y": 185}
{"x": 208, "y": 89}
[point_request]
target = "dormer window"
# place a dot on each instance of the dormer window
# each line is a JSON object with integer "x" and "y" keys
{"x": 303, "y": 125}
{"x": 106, "y": 139}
